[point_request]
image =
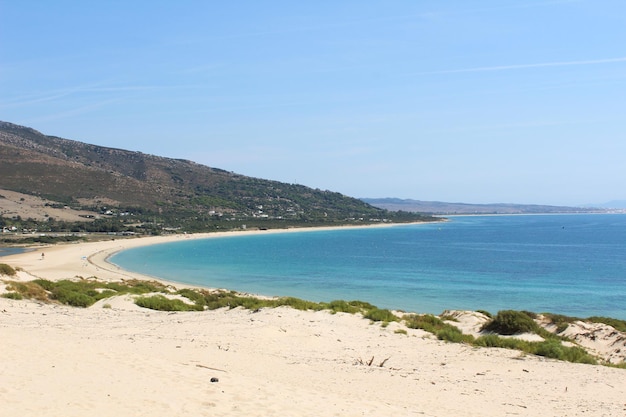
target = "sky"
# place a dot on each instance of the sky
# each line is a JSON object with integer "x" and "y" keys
{"x": 460, "y": 101}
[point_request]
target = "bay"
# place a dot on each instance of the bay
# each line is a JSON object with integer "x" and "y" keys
{"x": 566, "y": 264}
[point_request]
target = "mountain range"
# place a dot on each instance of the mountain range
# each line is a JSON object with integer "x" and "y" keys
{"x": 442, "y": 208}
{"x": 55, "y": 183}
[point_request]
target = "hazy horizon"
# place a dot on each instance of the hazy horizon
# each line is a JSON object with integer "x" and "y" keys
{"x": 466, "y": 101}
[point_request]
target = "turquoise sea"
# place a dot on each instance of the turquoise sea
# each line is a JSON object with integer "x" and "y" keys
{"x": 567, "y": 264}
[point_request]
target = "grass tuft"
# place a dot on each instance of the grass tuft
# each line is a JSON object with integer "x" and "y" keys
{"x": 619, "y": 325}
{"x": 378, "y": 314}
{"x": 162, "y": 303}
{"x": 342, "y": 306}
{"x": 12, "y": 295}
{"x": 438, "y": 327}
{"x": 7, "y": 270}
{"x": 552, "y": 348}
{"x": 30, "y": 290}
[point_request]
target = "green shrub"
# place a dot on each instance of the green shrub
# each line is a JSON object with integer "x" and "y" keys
{"x": 341, "y": 306}
{"x": 193, "y": 295}
{"x": 426, "y": 322}
{"x": 7, "y": 270}
{"x": 561, "y": 327}
{"x": 438, "y": 327}
{"x": 619, "y": 325}
{"x": 555, "y": 350}
{"x": 45, "y": 284}
{"x": 69, "y": 296}
{"x": 162, "y": 303}
{"x": 30, "y": 290}
{"x": 548, "y": 348}
{"x": 447, "y": 317}
{"x": 230, "y": 299}
{"x": 530, "y": 314}
{"x": 362, "y": 305}
{"x": 509, "y": 322}
{"x": 454, "y": 335}
{"x": 298, "y": 304}
{"x": 485, "y": 312}
{"x": 378, "y": 314}
{"x": 81, "y": 293}
{"x": 136, "y": 286}
{"x": 493, "y": 340}
{"x": 13, "y": 295}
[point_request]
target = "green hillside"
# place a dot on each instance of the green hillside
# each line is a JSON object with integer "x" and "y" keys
{"x": 128, "y": 190}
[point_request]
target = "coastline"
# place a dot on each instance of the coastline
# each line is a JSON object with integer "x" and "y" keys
{"x": 131, "y": 361}
{"x": 88, "y": 259}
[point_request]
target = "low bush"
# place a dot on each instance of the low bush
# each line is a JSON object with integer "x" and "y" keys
{"x": 426, "y": 322}
{"x": 555, "y": 350}
{"x": 454, "y": 335}
{"x": 485, "y": 312}
{"x": 341, "y": 306}
{"x": 30, "y": 290}
{"x": 7, "y": 270}
{"x": 552, "y": 348}
{"x": 362, "y": 305}
{"x": 619, "y": 325}
{"x": 82, "y": 293}
{"x": 193, "y": 295}
{"x": 12, "y": 295}
{"x": 45, "y": 284}
{"x": 220, "y": 299}
{"x": 378, "y": 314}
{"x": 298, "y": 304}
{"x": 162, "y": 303}
{"x": 71, "y": 297}
{"x": 135, "y": 286}
{"x": 493, "y": 340}
{"x": 510, "y": 322}
{"x": 438, "y": 327}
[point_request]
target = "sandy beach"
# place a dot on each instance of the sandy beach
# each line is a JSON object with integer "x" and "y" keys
{"x": 125, "y": 360}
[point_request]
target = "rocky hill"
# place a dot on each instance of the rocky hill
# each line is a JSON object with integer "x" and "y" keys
{"x": 171, "y": 193}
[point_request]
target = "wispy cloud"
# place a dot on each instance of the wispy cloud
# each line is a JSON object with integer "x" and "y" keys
{"x": 91, "y": 89}
{"x": 72, "y": 112}
{"x": 527, "y": 66}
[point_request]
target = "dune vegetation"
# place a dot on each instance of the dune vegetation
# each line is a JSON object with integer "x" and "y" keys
{"x": 154, "y": 295}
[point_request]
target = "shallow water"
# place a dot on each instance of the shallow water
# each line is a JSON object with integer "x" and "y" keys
{"x": 4, "y": 251}
{"x": 567, "y": 264}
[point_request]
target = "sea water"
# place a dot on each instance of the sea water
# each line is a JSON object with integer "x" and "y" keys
{"x": 6, "y": 251}
{"x": 566, "y": 264}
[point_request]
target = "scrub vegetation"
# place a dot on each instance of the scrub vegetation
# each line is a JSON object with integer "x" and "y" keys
{"x": 157, "y": 296}
{"x": 7, "y": 270}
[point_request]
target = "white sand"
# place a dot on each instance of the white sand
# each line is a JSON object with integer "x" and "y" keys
{"x": 128, "y": 361}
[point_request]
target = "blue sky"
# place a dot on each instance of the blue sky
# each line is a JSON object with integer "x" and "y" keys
{"x": 473, "y": 101}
